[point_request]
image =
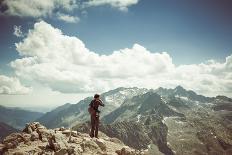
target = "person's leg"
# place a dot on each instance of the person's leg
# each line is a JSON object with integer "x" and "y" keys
{"x": 92, "y": 126}
{"x": 96, "y": 126}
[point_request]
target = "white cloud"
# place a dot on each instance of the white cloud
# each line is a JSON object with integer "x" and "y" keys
{"x": 40, "y": 8}
{"x": 61, "y": 9}
{"x": 68, "y": 18}
{"x": 11, "y": 85}
{"x": 120, "y": 4}
{"x": 37, "y": 8}
{"x": 17, "y": 31}
{"x": 64, "y": 64}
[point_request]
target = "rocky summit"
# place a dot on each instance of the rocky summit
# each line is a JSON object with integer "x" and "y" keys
{"x": 37, "y": 139}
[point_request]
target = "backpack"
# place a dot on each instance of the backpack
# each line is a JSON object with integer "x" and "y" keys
{"x": 91, "y": 109}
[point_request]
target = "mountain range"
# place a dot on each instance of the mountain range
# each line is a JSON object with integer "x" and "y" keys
{"x": 5, "y": 130}
{"x": 69, "y": 115}
{"x": 17, "y": 117}
{"x": 175, "y": 121}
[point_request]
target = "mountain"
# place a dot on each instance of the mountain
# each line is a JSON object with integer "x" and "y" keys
{"x": 5, "y": 130}
{"x": 146, "y": 104}
{"x": 72, "y": 114}
{"x": 173, "y": 121}
{"x": 17, "y": 117}
{"x": 183, "y": 93}
{"x": 176, "y": 121}
{"x": 37, "y": 139}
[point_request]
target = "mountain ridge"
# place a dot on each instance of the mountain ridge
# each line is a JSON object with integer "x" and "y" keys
{"x": 17, "y": 117}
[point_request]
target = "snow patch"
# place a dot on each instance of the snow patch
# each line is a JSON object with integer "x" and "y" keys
{"x": 182, "y": 97}
{"x": 164, "y": 119}
{"x": 138, "y": 118}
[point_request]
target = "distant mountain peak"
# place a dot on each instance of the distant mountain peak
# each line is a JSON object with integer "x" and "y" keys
{"x": 180, "y": 88}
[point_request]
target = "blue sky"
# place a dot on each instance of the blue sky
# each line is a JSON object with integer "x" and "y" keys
{"x": 191, "y": 32}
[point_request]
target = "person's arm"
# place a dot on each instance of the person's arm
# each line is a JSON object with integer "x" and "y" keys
{"x": 101, "y": 103}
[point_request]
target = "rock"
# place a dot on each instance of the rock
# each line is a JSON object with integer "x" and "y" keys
{"x": 62, "y": 129}
{"x": 31, "y": 127}
{"x": 11, "y": 145}
{"x": 27, "y": 129}
{"x": 74, "y": 134}
{"x": 2, "y": 148}
{"x": 34, "y": 136}
{"x": 70, "y": 150}
{"x": 125, "y": 151}
{"x": 66, "y": 142}
{"x": 52, "y": 143}
{"x": 101, "y": 144}
{"x": 88, "y": 144}
{"x": 61, "y": 152}
{"x": 66, "y": 131}
{"x": 16, "y": 137}
{"x": 115, "y": 140}
{"x": 26, "y": 137}
{"x": 19, "y": 153}
{"x": 56, "y": 147}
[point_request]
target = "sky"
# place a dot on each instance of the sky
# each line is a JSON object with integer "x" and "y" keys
{"x": 59, "y": 51}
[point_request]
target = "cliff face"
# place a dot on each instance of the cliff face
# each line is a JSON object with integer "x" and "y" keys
{"x": 36, "y": 139}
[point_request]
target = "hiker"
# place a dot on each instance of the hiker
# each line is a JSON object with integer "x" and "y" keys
{"x": 94, "y": 113}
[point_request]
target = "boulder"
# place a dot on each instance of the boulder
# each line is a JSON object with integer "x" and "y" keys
{"x": 66, "y": 131}
{"x": 19, "y": 153}
{"x": 56, "y": 147}
{"x": 62, "y": 129}
{"x": 62, "y": 151}
{"x": 125, "y": 151}
{"x": 89, "y": 144}
{"x": 14, "y": 137}
{"x": 11, "y": 145}
{"x": 101, "y": 144}
{"x": 2, "y": 148}
{"x": 115, "y": 140}
{"x": 34, "y": 136}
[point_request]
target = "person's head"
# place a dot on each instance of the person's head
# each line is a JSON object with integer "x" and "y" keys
{"x": 96, "y": 96}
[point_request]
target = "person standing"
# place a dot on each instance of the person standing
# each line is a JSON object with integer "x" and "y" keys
{"x": 94, "y": 115}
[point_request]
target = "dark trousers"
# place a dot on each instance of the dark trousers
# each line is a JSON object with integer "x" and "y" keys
{"x": 94, "y": 126}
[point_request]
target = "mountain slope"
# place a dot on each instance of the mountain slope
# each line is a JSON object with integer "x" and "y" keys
{"x": 6, "y": 130}
{"x": 17, "y": 117}
{"x": 71, "y": 114}
{"x": 181, "y": 92}
{"x": 141, "y": 106}
{"x": 177, "y": 121}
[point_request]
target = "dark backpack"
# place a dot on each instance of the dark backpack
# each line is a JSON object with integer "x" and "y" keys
{"x": 91, "y": 109}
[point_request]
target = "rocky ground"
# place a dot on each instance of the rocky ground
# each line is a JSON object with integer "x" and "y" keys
{"x": 37, "y": 139}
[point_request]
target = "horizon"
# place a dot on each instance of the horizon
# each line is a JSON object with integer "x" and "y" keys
{"x": 58, "y": 52}
{"x": 45, "y": 109}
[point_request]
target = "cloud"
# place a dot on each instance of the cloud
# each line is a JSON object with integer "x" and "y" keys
{"x": 68, "y": 18}
{"x": 60, "y": 9}
{"x": 37, "y": 8}
{"x": 64, "y": 64}
{"x": 120, "y": 4}
{"x": 17, "y": 31}
{"x": 11, "y": 85}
